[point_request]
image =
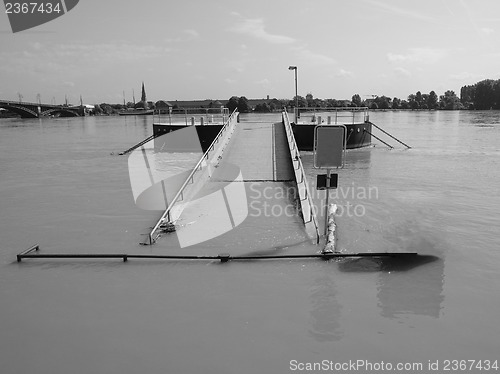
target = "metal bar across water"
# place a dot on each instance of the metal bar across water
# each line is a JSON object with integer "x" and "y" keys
{"x": 223, "y": 257}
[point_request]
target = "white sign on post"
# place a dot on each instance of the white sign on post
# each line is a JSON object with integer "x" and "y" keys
{"x": 329, "y": 146}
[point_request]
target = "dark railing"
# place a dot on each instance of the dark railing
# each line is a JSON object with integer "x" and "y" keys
{"x": 336, "y": 115}
{"x": 300, "y": 177}
{"x": 166, "y": 216}
{"x": 189, "y": 116}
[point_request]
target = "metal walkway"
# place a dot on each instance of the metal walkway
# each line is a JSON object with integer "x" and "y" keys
{"x": 260, "y": 151}
{"x": 252, "y": 190}
{"x": 252, "y": 172}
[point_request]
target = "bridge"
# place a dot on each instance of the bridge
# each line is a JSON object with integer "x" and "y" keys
{"x": 37, "y": 110}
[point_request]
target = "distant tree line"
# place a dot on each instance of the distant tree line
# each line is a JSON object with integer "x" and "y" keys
{"x": 482, "y": 95}
{"x": 418, "y": 100}
{"x": 110, "y": 109}
{"x": 448, "y": 101}
{"x": 414, "y": 101}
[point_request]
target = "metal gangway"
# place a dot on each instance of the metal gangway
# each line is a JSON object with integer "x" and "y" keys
{"x": 199, "y": 174}
{"x": 306, "y": 203}
{"x": 266, "y": 156}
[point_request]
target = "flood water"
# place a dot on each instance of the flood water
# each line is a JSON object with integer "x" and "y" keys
{"x": 63, "y": 186}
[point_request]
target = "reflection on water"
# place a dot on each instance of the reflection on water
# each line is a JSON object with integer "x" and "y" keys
{"x": 143, "y": 122}
{"x": 402, "y": 293}
{"x": 89, "y": 126}
{"x": 358, "y": 158}
{"x": 326, "y": 311}
{"x": 405, "y": 284}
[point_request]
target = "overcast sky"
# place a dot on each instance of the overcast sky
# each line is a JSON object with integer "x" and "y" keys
{"x": 216, "y": 49}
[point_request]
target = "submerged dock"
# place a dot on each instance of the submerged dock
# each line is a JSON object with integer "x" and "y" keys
{"x": 251, "y": 169}
{"x": 248, "y": 184}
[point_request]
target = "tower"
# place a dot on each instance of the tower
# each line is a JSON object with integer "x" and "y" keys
{"x": 143, "y": 97}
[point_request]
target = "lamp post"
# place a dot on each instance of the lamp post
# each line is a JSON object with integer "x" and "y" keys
{"x": 296, "y": 94}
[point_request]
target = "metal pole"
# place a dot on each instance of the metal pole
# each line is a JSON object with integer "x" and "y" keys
{"x": 296, "y": 94}
{"x": 224, "y": 257}
{"x": 327, "y": 199}
{"x": 396, "y": 139}
{"x": 296, "y": 99}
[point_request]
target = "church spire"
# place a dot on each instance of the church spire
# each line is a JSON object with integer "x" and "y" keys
{"x": 143, "y": 97}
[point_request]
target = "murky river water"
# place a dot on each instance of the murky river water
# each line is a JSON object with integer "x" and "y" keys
{"x": 60, "y": 187}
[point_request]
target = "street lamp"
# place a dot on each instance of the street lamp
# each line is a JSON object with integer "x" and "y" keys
{"x": 296, "y": 94}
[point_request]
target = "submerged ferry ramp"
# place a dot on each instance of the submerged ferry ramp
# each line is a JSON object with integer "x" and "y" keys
{"x": 248, "y": 193}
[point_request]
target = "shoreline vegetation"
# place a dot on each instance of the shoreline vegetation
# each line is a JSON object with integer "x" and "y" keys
{"x": 483, "y": 95}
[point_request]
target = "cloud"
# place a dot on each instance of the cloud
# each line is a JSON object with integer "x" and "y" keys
{"x": 418, "y": 55}
{"x": 486, "y": 30}
{"x": 37, "y": 46}
{"x": 236, "y": 66}
{"x": 263, "y": 82}
{"x": 345, "y": 73}
{"x": 186, "y": 36}
{"x": 106, "y": 52}
{"x": 313, "y": 58}
{"x": 62, "y": 58}
{"x": 192, "y": 33}
{"x": 255, "y": 28}
{"x": 402, "y": 72}
{"x": 466, "y": 76}
{"x": 402, "y": 12}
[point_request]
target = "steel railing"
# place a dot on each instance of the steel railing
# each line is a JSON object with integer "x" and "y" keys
{"x": 336, "y": 114}
{"x": 166, "y": 216}
{"x": 189, "y": 116}
{"x": 300, "y": 177}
